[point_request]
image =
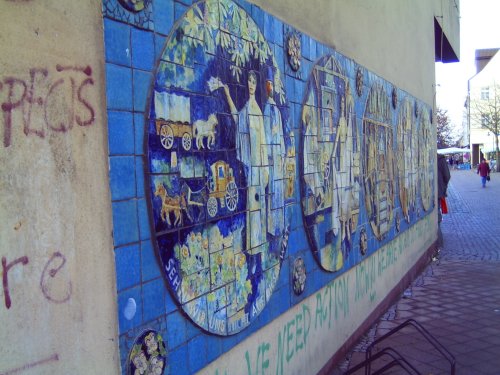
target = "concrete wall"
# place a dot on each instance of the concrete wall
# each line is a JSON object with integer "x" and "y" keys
{"x": 85, "y": 284}
{"x": 57, "y": 310}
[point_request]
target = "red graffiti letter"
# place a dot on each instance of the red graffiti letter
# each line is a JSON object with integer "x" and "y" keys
{"x": 5, "y": 280}
{"x": 90, "y": 120}
{"x": 58, "y": 106}
{"x": 52, "y": 272}
{"x": 32, "y": 98}
{"x": 10, "y": 105}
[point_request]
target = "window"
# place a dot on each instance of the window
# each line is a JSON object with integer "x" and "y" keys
{"x": 485, "y": 93}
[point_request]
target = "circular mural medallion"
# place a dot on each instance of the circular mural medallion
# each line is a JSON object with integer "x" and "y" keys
{"x": 148, "y": 354}
{"x": 407, "y": 159}
{"x": 330, "y": 164}
{"x": 426, "y": 159}
{"x": 221, "y": 163}
{"x": 378, "y": 160}
{"x": 294, "y": 51}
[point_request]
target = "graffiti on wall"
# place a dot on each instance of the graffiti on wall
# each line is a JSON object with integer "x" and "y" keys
{"x": 55, "y": 286}
{"x": 47, "y": 102}
{"x": 222, "y": 164}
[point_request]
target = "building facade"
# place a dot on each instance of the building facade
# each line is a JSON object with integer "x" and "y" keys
{"x": 212, "y": 187}
{"x": 482, "y": 90}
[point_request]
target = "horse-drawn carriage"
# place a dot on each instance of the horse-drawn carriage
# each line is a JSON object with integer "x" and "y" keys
{"x": 221, "y": 186}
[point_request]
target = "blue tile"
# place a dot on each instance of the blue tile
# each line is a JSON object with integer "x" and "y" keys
{"x": 139, "y": 175}
{"x": 305, "y": 47}
{"x": 268, "y": 27}
{"x": 178, "y": 366}
{"x": 278, "y": 32}
{"x": 123, "y": 301}
{"x": 245, "y": 5}
{"x": 142, "y": 213}
{"x": 192, "y": 330}
{"x": 176, "y": 327}
{"x": 142, "y": 85}
{"x": 179, "y": 10}
{"x": 298, "y": 239}
{"x": 120, "y": 133}
{"x": 150, "y": 267}
{"x": 153, "y": 299}
{"x": 139, "y": 122}
{"x": 117, "y": 42}
{"x": 214, "y": 348}
{"x": 125, "y": 225}
{"x": 280, "y": 59}
{"x": 300, "y": 87}
{"x": 170, "y": 304}
{"x": 118, "y": 87}
{"x": 128, "y": 266}
{"x": 163, "y": 15}
{"x": 284, "y": 273}
{"x": 159, "y": 46}
{"x": 143, "y": 50}
{"x": 197, "y": 353}
{"x": 258, "y": 16}
{"x": 290, "y": 88}
{"x": 283, "y": 299}
{"x": 122, "y": 177}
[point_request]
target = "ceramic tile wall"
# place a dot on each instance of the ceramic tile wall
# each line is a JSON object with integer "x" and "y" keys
{"x": 344, "y": 166}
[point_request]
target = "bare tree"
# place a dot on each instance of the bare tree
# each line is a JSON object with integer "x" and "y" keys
{"x": 486, "y": 111}
{"x": 444, "y": 130}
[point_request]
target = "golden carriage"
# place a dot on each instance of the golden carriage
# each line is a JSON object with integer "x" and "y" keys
{"x": 222, "y": 187}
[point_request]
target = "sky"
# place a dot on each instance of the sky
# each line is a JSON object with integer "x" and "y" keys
{"x": 479, "y": 28}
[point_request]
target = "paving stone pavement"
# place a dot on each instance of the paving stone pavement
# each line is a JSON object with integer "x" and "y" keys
{"x": 457, "y": 297}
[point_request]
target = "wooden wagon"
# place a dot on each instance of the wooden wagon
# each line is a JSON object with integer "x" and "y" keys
{"x": 169, "y": 130}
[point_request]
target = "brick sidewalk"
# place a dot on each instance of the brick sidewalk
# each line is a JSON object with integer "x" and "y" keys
{"x": 457, "y": 297}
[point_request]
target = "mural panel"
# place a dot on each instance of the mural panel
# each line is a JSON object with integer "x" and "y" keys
{"x": 330, "y": 163}
{"x": 407, "y": 159}
{"x": 378, "y": 161}
{"x": 426, "y": 157}
{"x": 221, "y": 162}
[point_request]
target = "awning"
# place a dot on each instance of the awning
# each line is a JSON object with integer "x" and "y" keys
{"x": 453, "y": 150}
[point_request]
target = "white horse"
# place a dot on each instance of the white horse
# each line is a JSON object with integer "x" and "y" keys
{"x": 205, "y": 129}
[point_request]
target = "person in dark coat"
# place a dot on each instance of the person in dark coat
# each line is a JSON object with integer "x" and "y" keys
{"x": 483, "y": 169}
{"x": 443, "y": 179}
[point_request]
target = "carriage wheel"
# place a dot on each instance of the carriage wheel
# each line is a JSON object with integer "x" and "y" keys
{"x": 231, "y": 196}
{"x": 167, "y": 137}
{"x": 186, "y": 141}
{"x": 212, "y": 206}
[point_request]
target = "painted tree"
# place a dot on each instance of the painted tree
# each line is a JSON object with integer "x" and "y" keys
{"x": 486, "y": 111}
{"x": 444, "y": 130}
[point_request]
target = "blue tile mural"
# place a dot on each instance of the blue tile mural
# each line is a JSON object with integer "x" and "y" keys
{"x": 250, "y": 165}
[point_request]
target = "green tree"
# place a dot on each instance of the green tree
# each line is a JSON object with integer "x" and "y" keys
{"x": 486, "y": 111}
{"x": 444, "y": 130}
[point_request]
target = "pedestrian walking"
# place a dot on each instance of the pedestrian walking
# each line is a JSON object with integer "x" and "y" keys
{"x": 443, "y": 179}
{"x": 483, "y": 170}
